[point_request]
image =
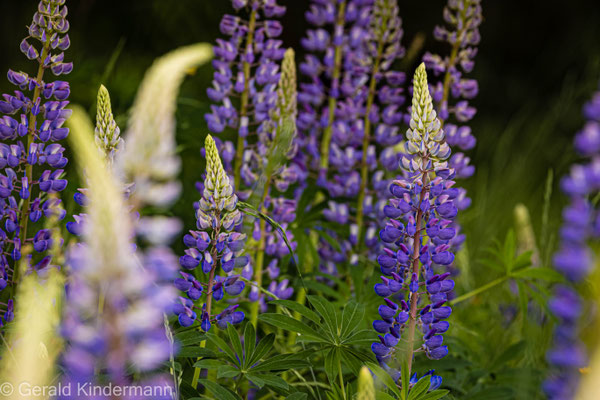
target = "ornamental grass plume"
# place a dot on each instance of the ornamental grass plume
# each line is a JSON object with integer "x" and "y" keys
{"x": 149, "y": 160}
{"x": 574, "y": 259}
{"x": 30, "y": 131}
{"x": 416, "y": 240}
{"x": 113, "y": 319}
{"x": 216, "y": 248}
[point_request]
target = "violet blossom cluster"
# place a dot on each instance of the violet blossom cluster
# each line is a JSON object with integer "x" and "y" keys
{"x": 330, "y": 103}
{"x": 453, "y": 90}
{"x": 31, "y": 156}
{"x": 417, "y": 240}
{"x": 574, "y": 259}
{"x": 216, "y": 248}
{"x": 245, "y": 86}
{"x": 116, "y": 300}
{"x": 382, "y": 114}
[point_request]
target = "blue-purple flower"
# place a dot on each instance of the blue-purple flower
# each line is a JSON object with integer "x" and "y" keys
{"x": 574, "y": 258}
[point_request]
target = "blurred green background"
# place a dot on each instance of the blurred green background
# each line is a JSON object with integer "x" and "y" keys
{"x": 537, "y": 64}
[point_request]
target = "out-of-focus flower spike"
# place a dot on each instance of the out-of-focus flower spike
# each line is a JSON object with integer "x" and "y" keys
{"x": 149, "y": 160}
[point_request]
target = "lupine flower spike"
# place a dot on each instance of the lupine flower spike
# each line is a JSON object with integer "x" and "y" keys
{"x": 114, "y": 313}
{"x": 416, "y": 240}
{"x": 574, "y": 258}
{"x": 33, "y": 163}
{"x": 216, "y": 248}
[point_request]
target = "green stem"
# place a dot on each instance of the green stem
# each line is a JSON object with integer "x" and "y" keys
{"x": 24, "y": 211}
{"x": 414, "y": 297}
{"x": 364, "y": 169}
{"x": 239, "y": 150}
{"x": 260, "y": 253}
{"x": 479, "y": 290}
{"x": 335, "y": 78}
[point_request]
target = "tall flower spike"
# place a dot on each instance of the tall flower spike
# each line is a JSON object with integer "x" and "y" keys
{"x": 215, "y": 247}
{"x": 276, "y": 147}
{"x": 384, "y": 101}
{"x": 30, "y": 154}
{"x": 107, "y": 136}
{"x": 416, "y": 240}
{"x": 246, "y": 67}
{"x": 114, "y": 309}
{"x": 150, "y": 160}
{"x": 574, "y": 259}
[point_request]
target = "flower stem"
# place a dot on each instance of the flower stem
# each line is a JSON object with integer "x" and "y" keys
{"x": 260, "y": 253}
{"x": 335, "y": 78}
{"x": 479, "y": 290}
{"x": 341, "y": 378}
{"x": 364, "y": 169}
{"x": 414, "y": 297}
{"x": 239, "y": 150}
{"x": 24, "y": 211}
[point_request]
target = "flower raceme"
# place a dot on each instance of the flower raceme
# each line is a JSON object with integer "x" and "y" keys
{"x": 30, "y": 130}
{"x": 416, "y": 240}
{"x": 215, "y": 247}
{"x": 574, "y": 258}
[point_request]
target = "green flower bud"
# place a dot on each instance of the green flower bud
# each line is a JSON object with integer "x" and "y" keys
{"x": 107, "y": 133}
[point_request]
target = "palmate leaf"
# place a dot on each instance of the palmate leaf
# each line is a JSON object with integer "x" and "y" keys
{"x": 299, "y": 308}
{"x": 227, "y": 371}
{"x": 219, "y": 391}
{"x": 328, "y": 312}
{"x": 223, "y": 346}
{"x": 261, "y": 350}
{"x": 542, "y": 273}
{"x": 351, "y": 317}
{"x": 249, "y": 344}
{"x": 237, "y": 344}
{"x": 267, "y": 379}
{"x": 332, "y": 357}
{"x": 291, "y": 324}
{"x": 282, "y": 362}
{"x": 419, "y": 388}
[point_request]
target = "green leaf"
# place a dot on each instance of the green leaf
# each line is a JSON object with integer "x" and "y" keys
{"x": 249, "y": 343}
{"x": 331, "y": 360}
{"x": 435, "y": 395}
{"x": 327, "y": 310}
{"x": 221, "y": 345}
{"x": 419, "y": 388}
{"x": 208, "y": 363}
{"x": 262, "y": 348}
{"x": 508, "y": 252}
{"x": 297, "y": 396}
{"x": 219, "y": 391}
{"x": 523, "y": 260}
{"x": 195, "y": 352}
{"x": 323, "y": 288}
{"x": 351, "y": 318}
{"x": 190, "y": 337}
{"x": 384, "y": 377}
{"x": 299, "y": 308}
{"x": 364, "y": 336}
{"x": 379, "y": 395}
{"x": 405, "y": 373}
{"x": 268, "y": 379}
{"x": 281, "y": 362}
{"x": 227, "y": 371}
{"x": 291, "y": 324}
{"x": 543, "y": 273}
{"x": 234, "y": 337}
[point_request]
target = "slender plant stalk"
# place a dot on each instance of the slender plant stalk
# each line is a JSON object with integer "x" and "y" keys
{"x": 479, "y": 290}
{"x": 337, "y": 69}
{"x": 24, "y": 212}
{"x": 341, "y": 378}
{"x": 260, "y": 252}
{"x": 414, "y": 297}
{"x": 239, "y": 151}
{"x": 364, "y": 169}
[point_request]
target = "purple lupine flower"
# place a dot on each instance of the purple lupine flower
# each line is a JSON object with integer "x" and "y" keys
{"x": 117, "y": 297}
{"x": 415, "y": 294}
{"x": 29, "y": 130}
{"x": 453, "y": 90}
{"x": 574, "y": 259}
{"x": 246, "y": 66}
{"x": 213, "y": 247}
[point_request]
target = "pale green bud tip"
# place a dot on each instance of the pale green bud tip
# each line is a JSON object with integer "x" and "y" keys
{"x": 366, "y": 388}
